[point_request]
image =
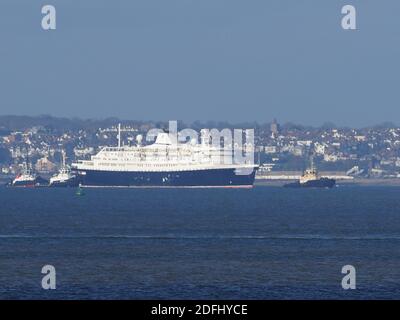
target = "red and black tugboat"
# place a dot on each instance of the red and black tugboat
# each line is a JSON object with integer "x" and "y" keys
{"x": 28, "y": 179}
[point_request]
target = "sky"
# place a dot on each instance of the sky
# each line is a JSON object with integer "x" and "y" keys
{"x": 222, "y": 60}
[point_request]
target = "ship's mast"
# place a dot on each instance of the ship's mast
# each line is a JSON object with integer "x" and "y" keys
{"x": 119, "y": 131}
{"x": 313, "y": 168}
{"x": 26, "y": 164}
{"x": 312, "y": 163}
{"x": 119, "y": 135}
{"x": 63, "y": 158}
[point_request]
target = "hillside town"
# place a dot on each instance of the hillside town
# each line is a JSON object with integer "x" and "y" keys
{"x": 372, "y": 152}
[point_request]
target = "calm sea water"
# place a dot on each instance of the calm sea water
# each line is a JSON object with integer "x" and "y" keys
{"x": 264, "y": 243}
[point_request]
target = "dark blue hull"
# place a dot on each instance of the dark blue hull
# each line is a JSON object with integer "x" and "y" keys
{"x": 65, "y": 184}
{"x": 320, "y": 183}
{"x": 38, "y": 182}
{"x": 195, "y": 178}
{"x": 25, "y": 184}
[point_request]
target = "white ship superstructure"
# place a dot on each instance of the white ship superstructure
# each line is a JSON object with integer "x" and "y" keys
{"x": 165, "y": 163}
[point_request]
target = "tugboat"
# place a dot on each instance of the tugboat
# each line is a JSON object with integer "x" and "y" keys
{"x": 311, "y": 179}
{"x": 64, "y": 178}
{"x": 27, "y": 178}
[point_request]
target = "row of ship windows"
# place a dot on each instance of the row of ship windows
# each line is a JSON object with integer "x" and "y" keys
{"x": 136, "y": 155}
{"x": 160, "y": 156}
{"x": 139, "y": 165}
{"x": 137, "y": 162}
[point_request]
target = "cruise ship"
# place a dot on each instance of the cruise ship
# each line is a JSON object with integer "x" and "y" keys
{"x": 163, "y": 164}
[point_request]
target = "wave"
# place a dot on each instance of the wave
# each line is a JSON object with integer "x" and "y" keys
{"x": 207, "y": 237}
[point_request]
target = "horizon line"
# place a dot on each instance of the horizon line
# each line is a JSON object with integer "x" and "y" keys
{"x": 327, "y": 123}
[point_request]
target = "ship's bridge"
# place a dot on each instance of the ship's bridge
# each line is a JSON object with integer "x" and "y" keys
{"x": 163, "y": 139}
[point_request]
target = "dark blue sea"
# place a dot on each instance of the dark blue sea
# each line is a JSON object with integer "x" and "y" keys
{"x": 264, "y": 243}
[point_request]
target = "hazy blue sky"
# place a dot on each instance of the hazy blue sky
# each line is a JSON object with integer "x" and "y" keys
{"x": 235, "y": 60}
